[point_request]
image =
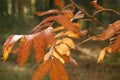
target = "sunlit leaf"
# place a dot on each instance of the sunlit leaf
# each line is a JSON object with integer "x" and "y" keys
{"x": 69, "y": 42}
{"x": 103, "y": 52}
{"x": 9, "y": 44}
{"x": 72, "y": 34}
{"x": 53, "y": 11}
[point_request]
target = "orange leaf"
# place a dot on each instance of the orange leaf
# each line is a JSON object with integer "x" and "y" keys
{"x": 65, "y": 22}
{"x": 42, "y": 27}
{"x": 42, "y": 70}
{"x": 24, "y": 49}
{"x": 54, "y": 11}
{"x": 109, "y": 32}
{"x": 72, "y": 34}
{"x": 9, "y": 44}
{"x": 59, "y": 3}
{"x": 39, "y": 45}
{"x": 49, "y": 36}
{"x": 94, "y": 3}
{"x": 46, "y": 20}
{"x": 58, "y": 72}
{"x": 116, "y": 45}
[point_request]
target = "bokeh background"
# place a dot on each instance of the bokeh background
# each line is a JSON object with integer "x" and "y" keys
{"x": 18, "y": 17}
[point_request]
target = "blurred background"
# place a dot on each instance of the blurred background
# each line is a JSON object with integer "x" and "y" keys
{"x": 18, "y": 17}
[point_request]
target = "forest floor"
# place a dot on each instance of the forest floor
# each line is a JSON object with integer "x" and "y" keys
{"x": 88, "y": 69}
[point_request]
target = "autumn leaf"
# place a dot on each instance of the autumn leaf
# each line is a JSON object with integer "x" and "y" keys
{"x": 53, "y": 11}
{"x": 39, "y": 45}
{"x": 94, "y": 3}
{"x": 72, "y": 34}
{"x": 65, "y": 22}
{"x": 109, "y": 32}
{"x": 59, "y": 3}
{"x": 49, "y": 36}
{"x": 69, "y": 42}
{"x": 116, "y": 45}
{"x": 24, "y": 49}
{"x": 46, "y": 20}
{"x": 103, "y": 52}
{"x": 9, "y": 44}
{"x": 58, "y": 72}
{"x": 42, "y": 70}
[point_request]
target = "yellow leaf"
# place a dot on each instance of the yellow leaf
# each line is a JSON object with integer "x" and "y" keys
{"x": 69, "y": 42}
{"x": 103, "y": 52}
{"x": 63, "y": 49}
{"x": 56, "y": 55}
{"x": 71, "y": 34}
{"x": 61, "y": 34}
{"x": 58, "y": 28}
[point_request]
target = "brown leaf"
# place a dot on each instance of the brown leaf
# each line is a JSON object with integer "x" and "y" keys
{"x": 24, "y": 49}
{"x": 39, "y": 44}
{"x": 59, "y": 3}
{"x": 9, "y": 44}
{"x": 94, "y": 3}
{"x": 109, "y": 32}
{"x": 42, "y": 70}
{"x": 58, "y": 72}
{"x": 65, "y": 22}
{"x": 54, "y": 11}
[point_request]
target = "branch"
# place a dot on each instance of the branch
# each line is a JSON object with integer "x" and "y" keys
{"x": 88, "y": 15}
{"x": 111, "y": 10}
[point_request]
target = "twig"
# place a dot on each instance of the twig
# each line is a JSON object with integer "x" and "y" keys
{"x": 114, "y": 11}
{"x": 88, "y": 15}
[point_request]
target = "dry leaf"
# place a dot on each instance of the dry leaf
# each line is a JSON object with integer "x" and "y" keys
{"x": 103, "y": 52}
{"x": 9, "y": 44}
{"x": 72, "y": 34}
{"x": 53, "y": 11}
{"x": 109, "y": 32}
{"x": 49, "y": 36}
{"x": 69, "y": 42}
{"x": 42, "y": 70}
{"x": 58, "y": 28}
{"x": 94, "y": 3}
{"x": 63, "y": 49}
{"x": 24, "y": 49}
{"x": 58, "y": 72}
{"x": 65, "y": 22}
{"x": 39, "y": 45}
{"x": 59, "y": 3}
